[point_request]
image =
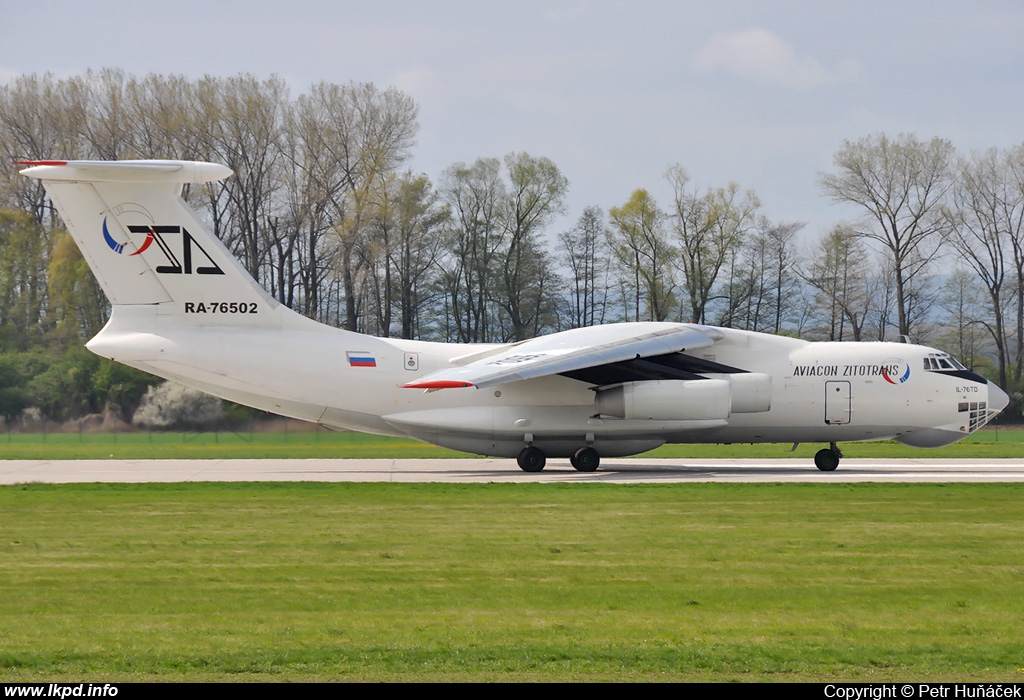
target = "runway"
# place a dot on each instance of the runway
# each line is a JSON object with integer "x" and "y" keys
{"x": 466, "y": 471}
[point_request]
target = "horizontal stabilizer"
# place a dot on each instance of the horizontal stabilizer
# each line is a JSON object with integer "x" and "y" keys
{"x": 180, "y": 171}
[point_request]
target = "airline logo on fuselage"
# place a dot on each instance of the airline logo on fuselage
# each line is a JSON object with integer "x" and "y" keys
{"x": 894, "y": 370}
{"x": 897, "y": 371}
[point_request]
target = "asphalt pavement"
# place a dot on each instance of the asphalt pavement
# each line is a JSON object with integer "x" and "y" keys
{"x": 504, "y": 471}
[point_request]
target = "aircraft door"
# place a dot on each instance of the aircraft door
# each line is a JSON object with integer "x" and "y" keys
{"x": 838, "y": 403}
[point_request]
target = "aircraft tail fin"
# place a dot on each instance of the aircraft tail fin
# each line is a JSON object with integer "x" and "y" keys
{"x": 146, "y": 246}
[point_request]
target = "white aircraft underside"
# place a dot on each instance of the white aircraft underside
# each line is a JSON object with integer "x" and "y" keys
{"x": 184, "y": 309}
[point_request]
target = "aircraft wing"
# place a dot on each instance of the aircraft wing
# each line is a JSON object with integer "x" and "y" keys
{"x": 571, "y": 350}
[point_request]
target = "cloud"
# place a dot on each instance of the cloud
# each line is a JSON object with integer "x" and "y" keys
{"x": 762, "y": 57}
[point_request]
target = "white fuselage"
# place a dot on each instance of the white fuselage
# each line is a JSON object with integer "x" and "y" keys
{"x": 819, "y": 392}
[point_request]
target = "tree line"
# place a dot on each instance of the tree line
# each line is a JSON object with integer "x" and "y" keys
{"x": 324, "y": 212}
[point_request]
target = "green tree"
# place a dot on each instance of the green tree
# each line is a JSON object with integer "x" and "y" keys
{"x": 15, "y": 371}
{"x": 79, "y": 382}
{"x": 644, "y": 252}
{"x": 76, "y": 300}
{"x": 24, "y": 249}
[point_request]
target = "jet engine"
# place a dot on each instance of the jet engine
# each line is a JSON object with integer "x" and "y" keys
{"x": 687, "y": 399}
{"x": 751, "y": 391}
{"x": 668, "y": 399}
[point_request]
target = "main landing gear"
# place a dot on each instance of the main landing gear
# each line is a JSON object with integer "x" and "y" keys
{"x": 828, "y": 459}
{"x": 532, "y": 459}
{"x": 585, "y": 459}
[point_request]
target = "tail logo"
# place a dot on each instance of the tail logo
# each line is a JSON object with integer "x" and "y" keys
{"x": 181, "y": 252}
{"x": 119, "y": 247}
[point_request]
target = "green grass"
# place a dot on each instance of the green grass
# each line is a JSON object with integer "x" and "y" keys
{"x": 435, "y": 582}
{"x": 220, "y": 445}
{"x": 988, "y": 443}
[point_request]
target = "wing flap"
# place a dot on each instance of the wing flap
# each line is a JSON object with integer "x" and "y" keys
{"x": 571, "y": 350}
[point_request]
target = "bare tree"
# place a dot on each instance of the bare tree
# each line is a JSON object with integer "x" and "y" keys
{"x": 766, "y": 280}
{"x": 107, "y": 132}
{"x": 344, "y": 144}
{"x": 839, "y": 270}
{"x": 901, "y": 185}
{"x": 987, "y": 220}
{"x": 709, "y": 229}
{"x": 40, "y": 117}
{"x": 536, "y": 193}
{"x": 418, "y": 221}
{"x": 744, "y": 268}
{"x": 476, "y": 196}
{"x": 160, "y": 120}
{"x": 784, "y": 279}
{"x": 366, "y": 134}
{"x": 584, "y": 252}
{"x": 962, "y": 332}
{"x": 246, "y": 136}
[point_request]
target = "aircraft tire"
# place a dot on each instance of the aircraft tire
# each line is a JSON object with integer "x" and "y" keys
{"x": 531, "y": 459}
{"x": 585, "y": 459}
{"x": 826, "y": 460}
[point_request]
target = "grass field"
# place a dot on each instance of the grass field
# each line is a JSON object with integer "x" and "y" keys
{"x": 988, "y": 443}
{"x": 433, "y": 582}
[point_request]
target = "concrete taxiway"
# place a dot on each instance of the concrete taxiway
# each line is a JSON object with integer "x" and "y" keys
{"x": 505, "y": 471}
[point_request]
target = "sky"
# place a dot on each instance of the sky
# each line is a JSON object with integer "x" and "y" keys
{"x": 758, "y": 93}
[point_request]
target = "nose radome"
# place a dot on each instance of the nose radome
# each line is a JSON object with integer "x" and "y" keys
{"x": 997, "y": 398}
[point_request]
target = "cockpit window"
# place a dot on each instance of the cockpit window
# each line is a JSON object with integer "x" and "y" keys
{"x": 941, "y": 362}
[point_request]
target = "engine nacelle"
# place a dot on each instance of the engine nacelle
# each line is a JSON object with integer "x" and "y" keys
{"x": 751, "y": 391}
{"x": 669, "y": 399}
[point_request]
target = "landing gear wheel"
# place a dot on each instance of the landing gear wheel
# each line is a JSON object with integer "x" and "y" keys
{"x": 585, "y": 459}
{"x": 827, "y": 460}
{"x": 531, "y": 459}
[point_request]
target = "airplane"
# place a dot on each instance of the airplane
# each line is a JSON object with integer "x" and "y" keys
{"x": 183, "y": 308}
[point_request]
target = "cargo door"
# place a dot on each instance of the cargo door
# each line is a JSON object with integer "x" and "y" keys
{"x": 838, "y": 403}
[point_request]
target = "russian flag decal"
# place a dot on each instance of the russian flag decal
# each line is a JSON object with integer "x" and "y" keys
{"x": 361, "y": 359}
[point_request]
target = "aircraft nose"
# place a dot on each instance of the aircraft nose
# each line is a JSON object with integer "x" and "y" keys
{"x": 997, "y": 398}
